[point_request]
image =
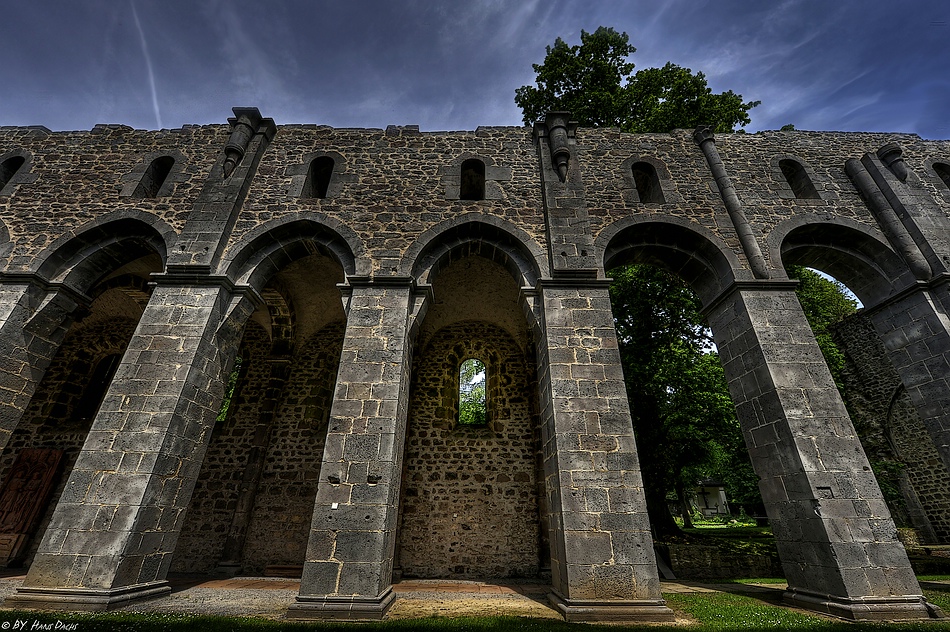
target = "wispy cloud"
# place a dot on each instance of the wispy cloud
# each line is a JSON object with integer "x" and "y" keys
{"x": 148, "y": 64}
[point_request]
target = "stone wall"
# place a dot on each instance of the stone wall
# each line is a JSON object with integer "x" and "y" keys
{"x": 890, "y": 428}
{"x": 470, "y": 501}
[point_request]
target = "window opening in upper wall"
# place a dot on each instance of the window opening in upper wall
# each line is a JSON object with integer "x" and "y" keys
{"x": 648, "y": 183}
{"x": 154, "y": 177}
{"x": 318, "y": 178}
{"x": 472, "y": 184}
{"x": 798, "y": 180}
{"x": 943, "y": 170}
{"x": 8, "y": 169}
{"x": 473, "y": 396}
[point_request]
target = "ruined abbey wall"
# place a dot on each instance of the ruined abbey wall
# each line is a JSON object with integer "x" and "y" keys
{"x": 351, "y": 270}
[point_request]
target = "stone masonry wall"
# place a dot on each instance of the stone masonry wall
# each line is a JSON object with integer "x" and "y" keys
{"x": 887, "y": 422}
{"x": 48, "y": 421}
{"x": 284, "y": 500}
{"x": 470, "y": 503}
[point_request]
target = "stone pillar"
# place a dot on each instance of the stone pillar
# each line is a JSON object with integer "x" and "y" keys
{"x": 915, "y": 330}
{"x": 34, "y": 318}
{"x": 349, "y": 565}
{"x": 114, "y": 530}
{"x": 603, "y": 565}
{"x": 835, "y": 536}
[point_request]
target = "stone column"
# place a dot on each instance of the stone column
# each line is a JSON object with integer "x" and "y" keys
{"x": 915, "y": 330}
{"x": 349, "y": 565}
{"x": 603, "y": 565}
{"x": 114, "y": 530}
{"x": 34, "y": 318}
{"x": 835, "y": 536}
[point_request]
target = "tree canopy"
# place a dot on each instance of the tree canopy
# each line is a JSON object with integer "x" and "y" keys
{"x": 593, "y": 81}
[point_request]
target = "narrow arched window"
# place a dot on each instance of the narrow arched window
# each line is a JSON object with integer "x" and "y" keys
{"x": 943, "y": 170}
{"x": 473, "y": 395}
{"x": 647, "y": 183}
{"x": 154, "y": 177}
{"x": 472, "y": 184}
{"x": 798, "y": 180}
{"x": 318, "y": 178}
{"x": 95, "y": 391}
{"x": 8, "y": 169}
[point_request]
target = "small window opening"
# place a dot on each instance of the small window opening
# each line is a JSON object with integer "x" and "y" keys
{"x": 318, "y": 178}
{"x": 154, "y": 177}
{"x": 473, "y": 180}
{"x": 647, "y": 183}
{"x": 96, "y": 388}
{"x": 231, "y": 388}
{"x": 8, "y": 169}
{"x": 798, "y": 180}
{"x": 473, "y": 398}
{"x": 943, "y": 170}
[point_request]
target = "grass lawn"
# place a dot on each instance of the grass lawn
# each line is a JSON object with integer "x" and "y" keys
{"x": 709, "y": 611}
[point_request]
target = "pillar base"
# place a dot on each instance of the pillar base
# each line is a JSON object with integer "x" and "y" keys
{"x": 342, "y": 608}
{"x": 84, "y": 599}
{"x": 890, "y": 608}
{"x": 627, "y": 610}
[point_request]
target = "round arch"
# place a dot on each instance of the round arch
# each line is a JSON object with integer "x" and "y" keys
{"x": 272, "y": 246}
{"x": 475, "y": 234}
{"x": 851, "y": 252}
{"x": 695, "y": 254}
{"x": 83, "y": 256}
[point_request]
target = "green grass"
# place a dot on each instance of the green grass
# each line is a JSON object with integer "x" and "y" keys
{"x": 710, "y": 612}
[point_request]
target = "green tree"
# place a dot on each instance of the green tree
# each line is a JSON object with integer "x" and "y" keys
{"x": 473, "y": 405}
{"x": 593, "y": 81}
{"x": 683, "y": 417}
{"x": 825, "y": 302}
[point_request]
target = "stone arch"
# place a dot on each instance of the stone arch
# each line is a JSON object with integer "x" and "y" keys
{"x": 270, "y": 247}
{"x": 851, "y": 252}
{"x": 660, "y": 180}
{"x": 702, "y": 259}
{"x": 796, "y": 180}
{"x": 475, "y": 234}
{"x": 15, "y": 169}
{"x": 306, "y": 185}
{"x": 490, "y": 174}
{"x": 83, "y": 256}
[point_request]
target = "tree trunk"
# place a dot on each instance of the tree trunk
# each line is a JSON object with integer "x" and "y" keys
{"x": 684, "y": 506}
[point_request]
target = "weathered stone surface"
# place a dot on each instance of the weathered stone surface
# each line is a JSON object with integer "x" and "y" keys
{"x": 237, "y": 242}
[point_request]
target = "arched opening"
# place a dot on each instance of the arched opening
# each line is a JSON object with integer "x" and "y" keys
{"x": 63, "y": 408}
{"x": 154, "y": 177}
{"x": 318, "y": 177}
{"x": 472, "y": 180}
{"x": 253, "y": 502}
{"x": 472, "y": 499}
{"x": 899, "y": 449}
{"x": 648, "y": 183}
{"x": 798, "y": 180}
{"x": 8, "y": 169}
{"x": 943, "y": 170}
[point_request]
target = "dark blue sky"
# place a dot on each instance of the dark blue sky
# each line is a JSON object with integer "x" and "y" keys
{"x": 446, "y": 65}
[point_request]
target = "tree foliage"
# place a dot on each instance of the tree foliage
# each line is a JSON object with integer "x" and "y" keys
{"x": 683, "y": 417}
{"x": 594, "y": 82}
{"x": 473, "y": 404}
{"x": 825, "y": 302}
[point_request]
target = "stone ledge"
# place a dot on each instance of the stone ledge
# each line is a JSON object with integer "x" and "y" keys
{"x": 342, "y": 608}
{"x": 618, "y": 611}
{"x": 894, "y": 608}
{"x": 85, "y": 599}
